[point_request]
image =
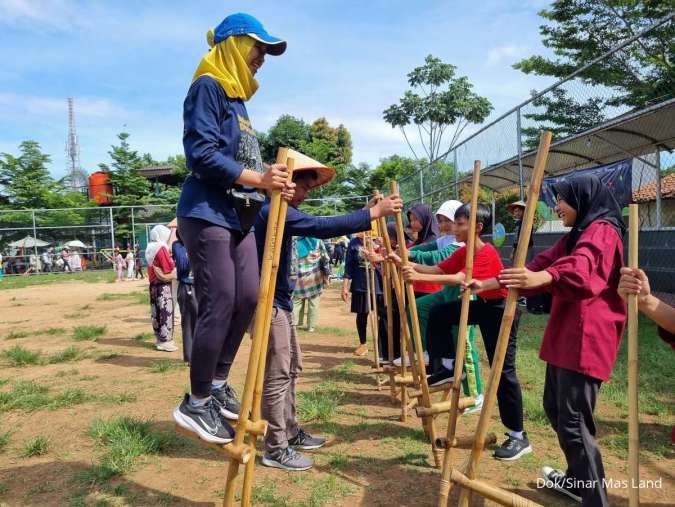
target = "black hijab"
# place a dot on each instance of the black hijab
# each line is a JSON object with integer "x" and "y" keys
{"x": 593, "y": 201}
{"x": 430, "y": 229}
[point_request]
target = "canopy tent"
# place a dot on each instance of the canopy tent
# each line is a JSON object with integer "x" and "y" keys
{"x": 75, "y": 243}
{"x": 28, "y": 242}
{"x": 633, "y": 134}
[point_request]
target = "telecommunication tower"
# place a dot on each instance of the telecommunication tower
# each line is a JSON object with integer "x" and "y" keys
{"x": 77, "y": 178}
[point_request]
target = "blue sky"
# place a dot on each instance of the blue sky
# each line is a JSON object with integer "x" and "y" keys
{"x": 128, "y": 65}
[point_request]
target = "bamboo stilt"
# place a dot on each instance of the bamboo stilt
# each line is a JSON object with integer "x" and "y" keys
{"x": 633, "y": 413}
{"x": 507, "y": 322}
{"x": 462, "y": 326}
{"x": 372, "y": 299}
{"x": 428, "y": 422}
{"x": 250, "y": 402}
{"x": 390, "y": 313}
{"x": 491, "y": 492}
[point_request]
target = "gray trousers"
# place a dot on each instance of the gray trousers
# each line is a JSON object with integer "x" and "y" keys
{"x": 187, "y": 302}
{"x": 569, "y": 401}
{"x": 283, "y": 367}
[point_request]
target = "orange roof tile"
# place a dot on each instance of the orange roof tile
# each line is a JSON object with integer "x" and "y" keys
{"x": 647, "y": 193}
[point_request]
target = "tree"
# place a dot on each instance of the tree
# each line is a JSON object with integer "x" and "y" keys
{"x": 437, "y": 99}
{"x": 391, "y": 168}
{"x": 578, "y": 31}
{"x": 129, "y": 187}
{"x": 26, "y": 179}
{"x": 288, "y": 131}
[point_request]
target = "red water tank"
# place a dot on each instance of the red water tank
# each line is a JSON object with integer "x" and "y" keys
{"x": 100, "y": 188}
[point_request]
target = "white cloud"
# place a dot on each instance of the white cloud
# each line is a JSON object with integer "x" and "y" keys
{"x": 13, "y": 104}
{"x": 509, "y": 52}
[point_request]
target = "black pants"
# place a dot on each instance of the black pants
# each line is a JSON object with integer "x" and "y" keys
{"x": 569, "y": 401}
{"x": 488, "y": 315}
{"x": 187, "y": 302}
{"x": 225, "y": 268}
{"x": 384, "y": 328}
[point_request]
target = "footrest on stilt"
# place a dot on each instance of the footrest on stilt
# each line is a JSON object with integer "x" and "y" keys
{"x": 491, "y": 492}
{"x": 242, "y": 453}
{"x": 405, "y": 381}
{"x": 444, "y": 406}
{"x": 442, "y": 442}
{"x": 432, "y": 389}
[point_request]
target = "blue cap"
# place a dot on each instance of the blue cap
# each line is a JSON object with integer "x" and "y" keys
{"x": 245, "y": 24}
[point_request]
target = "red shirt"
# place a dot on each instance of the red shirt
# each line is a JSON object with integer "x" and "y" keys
{"x": 163, "y": 261}
{"x": 486, "y": 264}
{"x": 425, "y": 287}
{"x": 587, "y": 314}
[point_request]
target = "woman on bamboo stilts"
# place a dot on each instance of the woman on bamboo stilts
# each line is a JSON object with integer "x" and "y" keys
{"x": 216, "y": 211}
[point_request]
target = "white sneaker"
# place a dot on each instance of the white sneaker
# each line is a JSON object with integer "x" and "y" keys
{"x": 476, "y": 407}
{"x": 397, "y": 361}
{"x": 169, "y": 346}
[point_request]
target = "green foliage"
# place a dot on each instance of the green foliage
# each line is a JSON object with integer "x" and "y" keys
{"x": 37, "y": 446}
{"x": 129, "y": 187}
{"x": 320, "y": 403}
{"x": 92, "y": 333}
{"x": 577, "y": 32}
{"x": 15, "y": 335}
{"x": 390, "y": 168}
{"x": 4, "y": 439}
{"x": 288, "y": 131}
{"x": 127, "y": 439}
{"x": 70, "y": 354}
{"x": 437, "y": 99}
{"x": 20, "y": 356}
{"x": 25, "y": 395}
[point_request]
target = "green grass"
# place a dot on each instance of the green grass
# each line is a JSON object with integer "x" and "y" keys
{"x": 321, "y": 402}
{"x": 19, "y": 282}
{"x": 68, "y": 398}
{"x": 25, "y": 395}
{"x": 334, "y": 331}
{"x": 325, "y": 491}
{"x": 144, "y": 337}
{"x": 91, "y": 333}
{"x": 20, "y": 356}
{"x": 267, "y": 494}
{"x": 15, "y": 335}
{"x": 53, "y": 331}
{"x": 38, "y": 446}
{"x": 67, "y": 373}
{"x": 4, "y": 488}
{"x": 4, "y": 440}
{"x": 138, "y": 297}
{"x": 127, "y": 440}
{"x": 165, "y": 365}
{"x": 72, "y": 353}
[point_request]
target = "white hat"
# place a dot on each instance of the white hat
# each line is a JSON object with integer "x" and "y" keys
{"x": 448, "y": 209}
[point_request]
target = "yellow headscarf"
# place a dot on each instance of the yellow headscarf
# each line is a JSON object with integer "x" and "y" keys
{"x": 226, "y": 63}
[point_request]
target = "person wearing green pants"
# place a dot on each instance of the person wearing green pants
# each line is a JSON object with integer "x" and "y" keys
{"x": 431, "y": 254}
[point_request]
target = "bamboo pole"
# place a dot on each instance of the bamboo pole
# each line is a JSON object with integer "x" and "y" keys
{"x": 260, "y": 337}
{"x": 428, "y": 422}
{"x": 463, "y": 331}
{"x": 262, "y": 362}
{"x": 404, "y": 339}
{"x": 510, "y": 308}
{"x": 633, "y": 414}
{"x": 372, "y": 303}
{"x": 390, "y": 328}
{"x": 491, "y": 492}
{"x": 376, "y": 317}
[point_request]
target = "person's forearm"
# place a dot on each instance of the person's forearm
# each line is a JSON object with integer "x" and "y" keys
{"x": 490, "y": 284}
{"x": 250, "y": 178}
{"x": 659, "y": 312}
{"x": 428, "y": 270}
{"x": 454, "y": 279}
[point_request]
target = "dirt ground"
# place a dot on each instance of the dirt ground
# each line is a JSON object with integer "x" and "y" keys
{"x": 371, "y": 459}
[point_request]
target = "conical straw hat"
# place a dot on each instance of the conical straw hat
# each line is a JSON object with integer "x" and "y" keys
{"x": 305, "y": 163}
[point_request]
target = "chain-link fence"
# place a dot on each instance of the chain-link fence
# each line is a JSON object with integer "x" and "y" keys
{"x": 74, "y": 239}
{"x": 593, "y": 126}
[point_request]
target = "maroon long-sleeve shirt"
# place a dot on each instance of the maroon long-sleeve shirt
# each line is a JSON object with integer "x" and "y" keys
{"x": 587, "y": 314}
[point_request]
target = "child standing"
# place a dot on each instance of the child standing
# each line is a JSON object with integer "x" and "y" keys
{"x": 120, "y": 264}
{"x": 581, "y": 340}
{"x": 129, "y": 260}
{"x": 487, "y": 311}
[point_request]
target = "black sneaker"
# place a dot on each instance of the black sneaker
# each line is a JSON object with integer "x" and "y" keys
{"x": 227, "y": 402}
{"x": 443, "y": 376}
{"x": 557, "y": 480}
{"x": 513, "y": 448}
{"x": 287, "y": 459}
{"x": 205, "y": 421}
{"x": 306, "y": 442}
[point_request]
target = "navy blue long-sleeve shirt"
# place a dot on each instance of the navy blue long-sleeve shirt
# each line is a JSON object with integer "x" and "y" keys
{"x": 180, "y": 258}
{"x": 355, "y": 269}
{"x": 219, "y": 143}
{"x": 302, "y": 224}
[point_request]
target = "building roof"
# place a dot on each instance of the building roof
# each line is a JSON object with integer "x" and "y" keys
{"x": 647, "y": 193}
{"x": 153, "y": 171}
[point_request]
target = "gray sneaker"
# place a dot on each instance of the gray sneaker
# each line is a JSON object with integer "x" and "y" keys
{"x": 287, "y": 459}
{"x": 306, "y": 442}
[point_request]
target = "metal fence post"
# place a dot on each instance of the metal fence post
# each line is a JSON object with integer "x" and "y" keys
{"x": 454, "y": 158}
{"x": 112, "y": 230}
{"x": 133, "y": 229}
{"x": 659, "y": 221}
{"x": 519, "y": 141}
{"x": 422, "y": 186}
{"x": 34, "y": 233}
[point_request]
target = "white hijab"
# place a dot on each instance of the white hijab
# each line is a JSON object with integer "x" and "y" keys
{"x": 159, "y": 237}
